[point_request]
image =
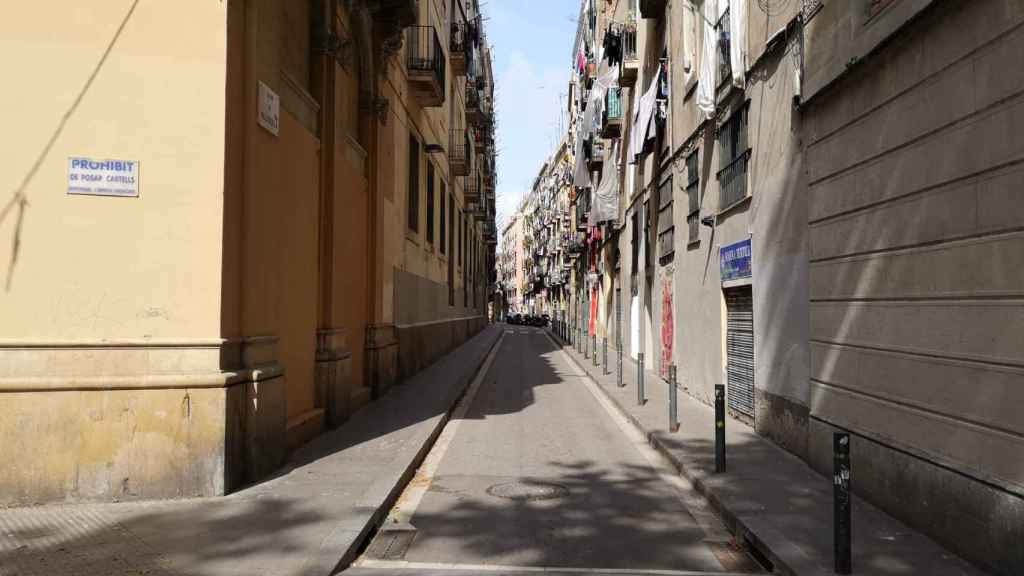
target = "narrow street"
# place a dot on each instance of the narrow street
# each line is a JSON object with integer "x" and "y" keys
{"x": 533, "y": 473}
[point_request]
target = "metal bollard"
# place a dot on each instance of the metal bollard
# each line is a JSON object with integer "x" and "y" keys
{"x": 593, "y": 347}
{"x": 841, "y": 502}
{"x": 586, "y": 346}
{"x": 620, "y": 382}
{"x": 604, "y": 357}
{"x": 719, "y": 428}
{"x": 640, "y": 396}
{"x": 673, "y": 408}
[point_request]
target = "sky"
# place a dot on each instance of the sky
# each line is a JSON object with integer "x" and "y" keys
{"x": 531, "y": 43}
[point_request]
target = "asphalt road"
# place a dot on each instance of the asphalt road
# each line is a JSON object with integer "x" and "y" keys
{"x": 533, "y": 473}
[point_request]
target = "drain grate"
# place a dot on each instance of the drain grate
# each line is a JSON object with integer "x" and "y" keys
{"x": 528, "y": 491}
{"x": 391, "y": 542}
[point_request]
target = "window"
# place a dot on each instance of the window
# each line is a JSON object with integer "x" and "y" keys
{"x": 430, "y": 202}
{"x": 441, "y": 229}
{"x": 733, "y": 154}
{"x": 666, "y": 227}
{"x": 414, "y": 184}
{"x": 693, "y": 197}
{"x": 724, "y": 38}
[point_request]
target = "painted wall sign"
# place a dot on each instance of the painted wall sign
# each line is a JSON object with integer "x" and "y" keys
{"x": 103, "y": 177}
{"x": 735, "y": 260}
{"x": 269, "y": 112}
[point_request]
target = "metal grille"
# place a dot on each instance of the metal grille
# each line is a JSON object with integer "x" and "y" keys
{"x": 733, "y": 154}
{"x": 613, "y": 103}
{"x": 740, "y": 350}
{"x": 666, "y": 228}
{"x": 693, "y": 197}
{"x": 425, "y": 52}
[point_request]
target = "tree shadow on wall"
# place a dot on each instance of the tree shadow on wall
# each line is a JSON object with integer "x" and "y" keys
{"x": 18, "y": 203}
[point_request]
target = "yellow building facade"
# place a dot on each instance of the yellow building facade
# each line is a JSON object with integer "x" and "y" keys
{"x": 199, "y": 238}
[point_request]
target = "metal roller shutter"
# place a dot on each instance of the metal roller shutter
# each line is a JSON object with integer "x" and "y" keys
{"x": 740, "y": 350}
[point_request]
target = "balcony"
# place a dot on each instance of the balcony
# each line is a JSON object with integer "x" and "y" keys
{"x": 471, "y": 188}
{"x": 426, "y": 65}
{"x": 474, "y": 111}
{"x": 596, "y": 156}
{"x": 611, "y": 119}
{"x": 460, "y": 152}
{"x": 652, "y": 8}
{"x": 630, "y": 60}
{"x": 460, "y": 52}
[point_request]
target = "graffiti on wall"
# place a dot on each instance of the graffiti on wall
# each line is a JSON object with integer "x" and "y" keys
{"x": 667, "y": 327}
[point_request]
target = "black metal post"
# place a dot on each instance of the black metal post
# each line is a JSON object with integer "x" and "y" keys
{"x": 593, "y": 346}
{"x": 673, "y": 408}
{"x": 841, "y": 501}
{"x": 604, "y": 357}
{"x": 719, "y": 428}
{"x": 640, "y": 396}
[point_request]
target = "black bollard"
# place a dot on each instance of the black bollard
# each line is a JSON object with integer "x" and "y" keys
{"x": 593, "y": 346}
{"x": 640, "y": 396}
{"x": 719, "y": 428}
{"x": 673, "y": 408}
{"x": 604, "y": 357}
{"x": 841, "y": 501}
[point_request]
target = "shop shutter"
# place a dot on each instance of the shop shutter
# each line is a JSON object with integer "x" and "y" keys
{"x": 740, "y": 350}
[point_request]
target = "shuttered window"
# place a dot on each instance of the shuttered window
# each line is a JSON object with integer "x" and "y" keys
{"x": 442, "y": 231}
{"x": 430, "y": 202}
{"x": 414, "y": 184}
{"x": 666, "y": 226}
{"x": 693, "y": 197}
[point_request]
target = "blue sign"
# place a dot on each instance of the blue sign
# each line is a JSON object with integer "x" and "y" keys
{"x": 736, "y": 260}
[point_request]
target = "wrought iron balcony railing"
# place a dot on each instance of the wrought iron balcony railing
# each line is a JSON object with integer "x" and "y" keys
{"x": 611, "y": 120}
{"x": 460, "y": 152}
{"x": 460, "y": 51}
{"x": 426, "y": 65}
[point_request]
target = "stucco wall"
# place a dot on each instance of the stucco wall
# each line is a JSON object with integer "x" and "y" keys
{"x": 90, "y": 267}
{"x": 914, "y": 169}
{"x": 110, "y": 377}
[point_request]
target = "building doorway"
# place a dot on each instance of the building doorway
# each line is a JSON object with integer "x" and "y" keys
{"x": 739, "y": 349}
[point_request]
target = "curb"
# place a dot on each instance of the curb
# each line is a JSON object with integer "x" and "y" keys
{"x": 395, "y": 491}
{"x": 739, "y": 528}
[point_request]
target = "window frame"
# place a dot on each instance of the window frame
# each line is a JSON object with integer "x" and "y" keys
{"x": 732, "y": 154}
{"x": 441, "y": 235}
{"x": 666, "y": 222}
{"x": 412, "y": 199}
{"x": 693, "y": 196}
{"x": 430, "y": 203}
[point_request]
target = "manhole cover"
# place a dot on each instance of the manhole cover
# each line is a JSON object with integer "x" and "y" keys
{"x": 527, "y": 491}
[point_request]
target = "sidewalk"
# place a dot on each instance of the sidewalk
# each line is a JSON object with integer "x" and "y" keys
{"x": 308, "y": 519}
{"x": 772, "y": 498}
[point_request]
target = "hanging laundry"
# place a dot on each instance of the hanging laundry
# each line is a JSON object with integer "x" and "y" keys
{"x": 708, "y": 61}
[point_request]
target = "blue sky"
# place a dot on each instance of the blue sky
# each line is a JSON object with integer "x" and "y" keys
{"x": 531, "y": 43}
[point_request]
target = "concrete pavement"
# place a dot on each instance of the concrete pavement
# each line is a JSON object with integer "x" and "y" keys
{"x": 539, "y": 476}
{"x": 768, "y": 496}
{"x": 307, "y": 520}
